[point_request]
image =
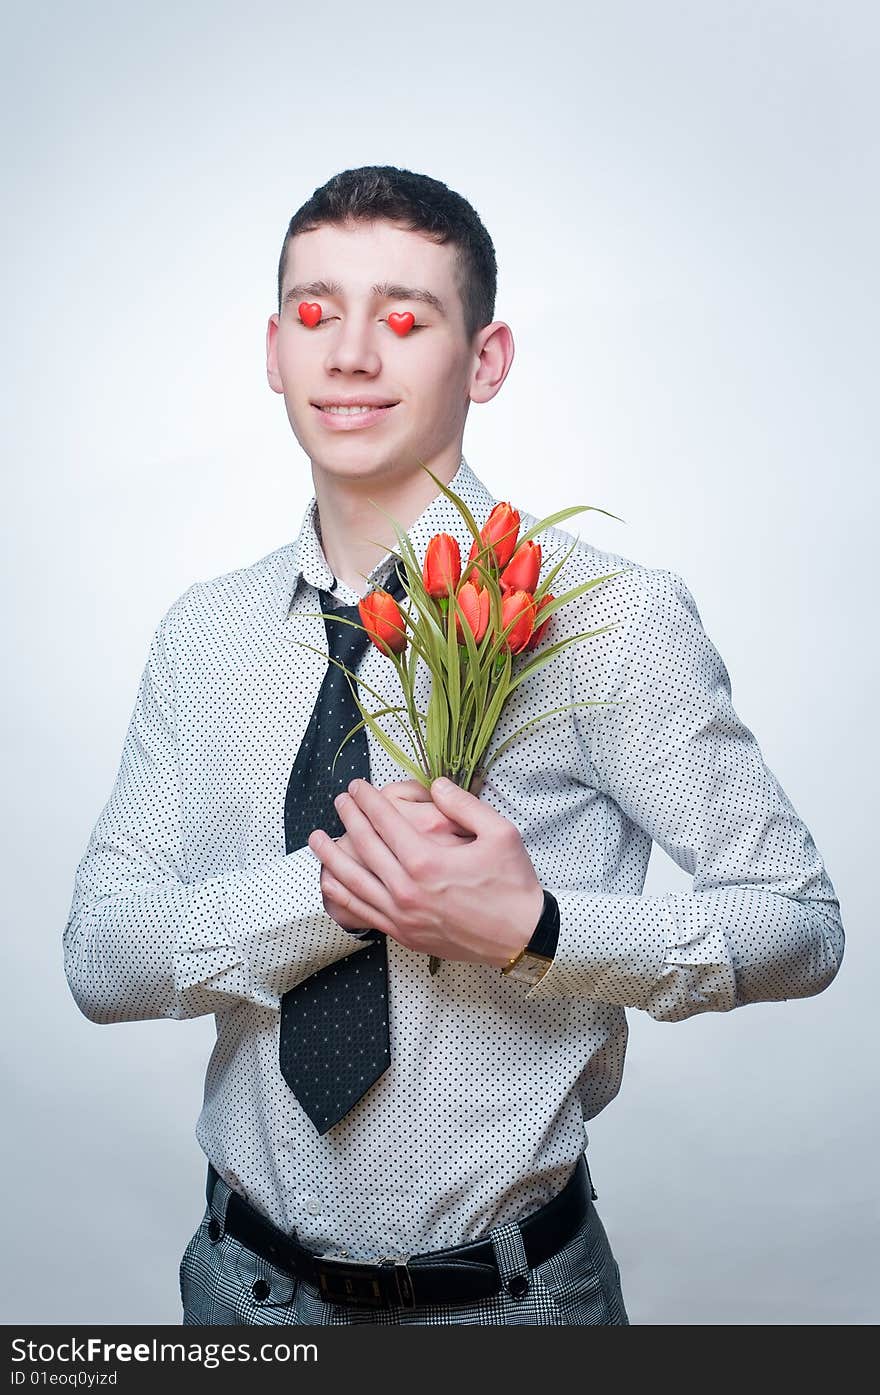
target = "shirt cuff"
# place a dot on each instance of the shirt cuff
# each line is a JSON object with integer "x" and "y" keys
{"x": 667, "y": 955}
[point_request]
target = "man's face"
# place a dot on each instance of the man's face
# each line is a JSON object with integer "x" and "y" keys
{"x": 353, "y": 355}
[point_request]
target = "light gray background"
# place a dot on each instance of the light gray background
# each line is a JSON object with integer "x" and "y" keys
{"x": 683, "y": 198}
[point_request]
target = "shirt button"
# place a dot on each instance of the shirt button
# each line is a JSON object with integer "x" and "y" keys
{"x": 313, "y": 1205}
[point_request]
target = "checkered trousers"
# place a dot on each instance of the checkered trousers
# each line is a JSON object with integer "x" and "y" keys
{"x": 222, "y": 1283}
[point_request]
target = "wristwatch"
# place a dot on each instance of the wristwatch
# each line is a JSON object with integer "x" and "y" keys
{"x": 532, "y": 962}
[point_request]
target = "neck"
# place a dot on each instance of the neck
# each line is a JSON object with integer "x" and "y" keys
{"x": 355, "y": 536}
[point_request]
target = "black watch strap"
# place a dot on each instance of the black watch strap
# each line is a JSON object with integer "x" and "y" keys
{"x": 546, "y": 934}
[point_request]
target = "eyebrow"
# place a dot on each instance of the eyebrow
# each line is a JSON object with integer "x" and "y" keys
{"x": 385, "y": 290}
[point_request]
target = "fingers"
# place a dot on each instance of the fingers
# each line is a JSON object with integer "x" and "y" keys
{"x": 467, "y": 809}
{"x": 368, "y": 813}
{"x": 406, "y": 790}
{"x": 347, "y": 910}
{"x": 414, "y": 802}
{"x": 369, "y": 846}
{"x": 421, "y": 813}
{"x": 362, "y": 894}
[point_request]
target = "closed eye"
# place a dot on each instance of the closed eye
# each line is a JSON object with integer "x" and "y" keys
{"x": 326, "y": 320}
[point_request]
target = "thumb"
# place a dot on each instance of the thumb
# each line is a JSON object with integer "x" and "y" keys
{"x": 465, "y": 808}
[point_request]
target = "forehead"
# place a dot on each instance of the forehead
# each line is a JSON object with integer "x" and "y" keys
{"x": 359, "y": 254}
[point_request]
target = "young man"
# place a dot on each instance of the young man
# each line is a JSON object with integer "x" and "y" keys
{"x": 387, "y": 1145}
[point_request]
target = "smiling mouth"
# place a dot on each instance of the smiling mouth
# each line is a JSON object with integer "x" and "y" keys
{"x": 356, "y": 409}
{"x": 355, "y": 417}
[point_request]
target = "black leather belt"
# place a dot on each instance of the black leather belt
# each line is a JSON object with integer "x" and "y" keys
{"x": 457, "y": 1275}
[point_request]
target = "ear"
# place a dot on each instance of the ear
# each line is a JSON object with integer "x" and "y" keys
{"x": 272, "y": 354}
{"x": 493, "y": 357}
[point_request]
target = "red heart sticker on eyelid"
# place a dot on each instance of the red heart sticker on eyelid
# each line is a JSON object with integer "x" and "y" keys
{"x": 401, "y": 323}
{"x": 309, "y": 312}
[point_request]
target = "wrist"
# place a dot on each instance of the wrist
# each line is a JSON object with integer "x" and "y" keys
{"x": 534, "y": 959}
{"x": 531, "y": 910}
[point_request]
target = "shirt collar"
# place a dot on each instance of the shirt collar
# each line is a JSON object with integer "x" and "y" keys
{"x": 305, "y": 556}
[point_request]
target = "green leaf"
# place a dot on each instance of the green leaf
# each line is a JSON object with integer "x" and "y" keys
{"x": 413, "y": 569}
{"x": 353, "y": 679}
{"x": 406, "y": 675}
{"x": 453, "y": 666}
{"x": 459, "y": 503}
{"x": 553, "y": 518}
{"x": 588, "y": 702}
{"x": 383, "y": 712}
{"x": 543, "y": 655}
{"x": 493, "y": 712}
{"x": 566, "y": 596}
{"x": 544, "y": 585}
{"x": 476, "y": 672}
{"x": 347, "y": 671}
{"x": 397, "y": 754}
{"x": 432, "y": 739}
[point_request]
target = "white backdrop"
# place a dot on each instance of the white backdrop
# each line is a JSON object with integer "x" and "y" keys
{"x": 683, "y": 199}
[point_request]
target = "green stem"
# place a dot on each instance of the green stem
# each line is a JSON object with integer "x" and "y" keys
{"x": 411, "y": 709}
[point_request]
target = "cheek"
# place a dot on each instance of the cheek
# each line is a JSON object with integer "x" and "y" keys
{"x": 294, "y": 355}
{"x": 440, "y": 384}
{"x": 289, "y": 364}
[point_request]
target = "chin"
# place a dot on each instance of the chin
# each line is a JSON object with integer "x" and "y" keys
{"x": 352, "y": 464}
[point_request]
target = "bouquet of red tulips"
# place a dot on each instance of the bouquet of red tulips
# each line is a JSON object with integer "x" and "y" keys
{"x": 470, "y": 626}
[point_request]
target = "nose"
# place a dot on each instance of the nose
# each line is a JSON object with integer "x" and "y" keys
{"x": 354, "y": 346}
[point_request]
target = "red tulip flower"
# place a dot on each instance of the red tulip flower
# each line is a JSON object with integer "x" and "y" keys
{"x": 501, "y": 529}
{"x": 442, "y": 568}
{"x": 382, "y": 619}
{"x": 540, "y": 625}
{"x": 500, "y": 532}
{"x": 523, "y": 569}
{"x": 521, "y": 605}
{"x": 474, "y": 601}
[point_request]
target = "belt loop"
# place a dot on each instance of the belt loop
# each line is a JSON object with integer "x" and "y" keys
{"x": 513, "y": 1265}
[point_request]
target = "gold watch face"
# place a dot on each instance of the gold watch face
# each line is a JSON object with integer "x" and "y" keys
{"x": 530, "y": 967}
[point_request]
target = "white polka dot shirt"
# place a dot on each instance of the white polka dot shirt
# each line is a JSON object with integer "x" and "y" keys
{"x": 185, "y": 902}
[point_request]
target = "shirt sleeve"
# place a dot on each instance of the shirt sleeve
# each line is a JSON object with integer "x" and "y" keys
{"x": 143, "y": 941}
{"x": 762, "y": 922}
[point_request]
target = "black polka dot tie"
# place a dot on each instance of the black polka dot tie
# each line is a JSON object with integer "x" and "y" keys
{"x": 334, "y": 1041}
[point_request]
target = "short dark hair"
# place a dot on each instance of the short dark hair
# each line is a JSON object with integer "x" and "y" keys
{"x": 419, "y": 203}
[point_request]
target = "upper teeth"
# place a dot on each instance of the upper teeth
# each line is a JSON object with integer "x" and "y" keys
{"x": 346, "y": 411}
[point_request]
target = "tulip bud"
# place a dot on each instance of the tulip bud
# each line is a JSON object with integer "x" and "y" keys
{"x": 382, "y": 619}
{"x": 540, "y": 625}
{"x": 523, "y": 569}
{"x": 442, "y": 567}
{"x": 522, "y": 605}
{"x": 474, "y": 601}
{"x": 501, "y": 529}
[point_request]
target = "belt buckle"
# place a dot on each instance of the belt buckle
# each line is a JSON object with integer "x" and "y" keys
{"x": 358, "y": 1282}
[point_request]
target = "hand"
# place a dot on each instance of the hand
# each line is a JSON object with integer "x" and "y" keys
{"x": 415, "y": 803}
{"x": 476, "y": 899}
